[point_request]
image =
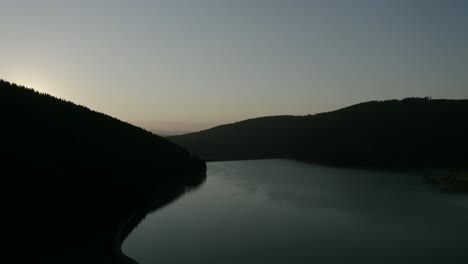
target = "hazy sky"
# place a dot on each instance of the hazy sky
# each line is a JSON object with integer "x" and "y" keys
{"x": 195, "y": 63}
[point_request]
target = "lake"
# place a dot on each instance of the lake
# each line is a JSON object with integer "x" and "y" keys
{"x": 283, "y": 211}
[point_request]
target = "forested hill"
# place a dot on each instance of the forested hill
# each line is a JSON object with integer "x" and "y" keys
{"x": 413, "y": 132}
{"x": 74, "y": 178}
{"x": 41, "y": 130}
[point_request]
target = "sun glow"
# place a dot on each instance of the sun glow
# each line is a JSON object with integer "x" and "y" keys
{"x": 37, "y": 83}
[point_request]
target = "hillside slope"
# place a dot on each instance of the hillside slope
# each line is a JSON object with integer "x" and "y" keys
{"x": 77, "y": 176}
{"x": 413, "y": 132}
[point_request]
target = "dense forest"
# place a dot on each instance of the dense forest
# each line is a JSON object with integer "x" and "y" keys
{"x": 75, "y": 177}
{"x": 413, "y": 132}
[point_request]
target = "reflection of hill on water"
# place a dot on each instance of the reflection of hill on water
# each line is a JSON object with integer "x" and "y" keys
{"x": 163, "y": 196}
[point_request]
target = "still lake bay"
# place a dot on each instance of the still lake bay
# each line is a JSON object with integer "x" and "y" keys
{"x": 283, "y": 211}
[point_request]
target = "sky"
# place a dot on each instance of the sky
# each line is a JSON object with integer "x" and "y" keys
{"x": 183, "y": 65}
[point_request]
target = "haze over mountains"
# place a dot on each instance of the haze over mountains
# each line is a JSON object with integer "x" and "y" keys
{"x": 171, "y": 128}
{"x": 413, "y": 132}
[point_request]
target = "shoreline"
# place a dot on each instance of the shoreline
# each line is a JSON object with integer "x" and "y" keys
{"x": 157, "y": 199}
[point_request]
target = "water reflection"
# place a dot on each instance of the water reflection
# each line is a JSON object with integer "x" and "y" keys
{"x": 355, "y": 191}
{"x": 162, "y": 196}
{"x": 279, "y": 211}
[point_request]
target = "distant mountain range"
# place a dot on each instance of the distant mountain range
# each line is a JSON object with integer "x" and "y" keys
{"x": 413, "y": 132}
{"x": 172, "y": 128}
{"x": 166, "y": 133}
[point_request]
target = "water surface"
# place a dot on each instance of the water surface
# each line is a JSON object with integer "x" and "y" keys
{"x": 282, "y": 211}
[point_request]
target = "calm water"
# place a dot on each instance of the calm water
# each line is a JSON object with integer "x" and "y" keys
{"x": 281, "y": 211}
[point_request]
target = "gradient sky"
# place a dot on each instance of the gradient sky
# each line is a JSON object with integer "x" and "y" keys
{"x": 189, "y": 64}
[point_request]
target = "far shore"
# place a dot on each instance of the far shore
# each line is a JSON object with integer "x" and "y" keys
{"x": 455, "y": 180}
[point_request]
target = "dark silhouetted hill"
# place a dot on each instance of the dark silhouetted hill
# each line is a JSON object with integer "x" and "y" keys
{"x": 413, "y": 132}
{"x": 73, "y": 178}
